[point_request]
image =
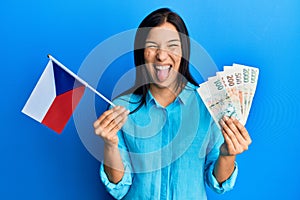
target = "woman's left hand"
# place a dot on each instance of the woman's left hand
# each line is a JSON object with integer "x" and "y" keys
{"x": 236, "y": 137}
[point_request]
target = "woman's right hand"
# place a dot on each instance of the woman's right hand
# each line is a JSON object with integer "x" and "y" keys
{"x": 109, "y": 123}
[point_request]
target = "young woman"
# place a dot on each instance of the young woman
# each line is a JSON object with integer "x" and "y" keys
{"x": 160, "y": 141}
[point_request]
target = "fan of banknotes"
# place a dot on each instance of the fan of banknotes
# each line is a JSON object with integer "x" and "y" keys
{"x": 230, "y": 92}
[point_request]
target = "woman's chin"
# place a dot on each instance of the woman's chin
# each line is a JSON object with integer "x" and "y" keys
{"x": 165, "y": 84}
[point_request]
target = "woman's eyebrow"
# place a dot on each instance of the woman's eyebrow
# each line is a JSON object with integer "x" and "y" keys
{"x": 174, "y": 40}
{"x": 151, "y": 42}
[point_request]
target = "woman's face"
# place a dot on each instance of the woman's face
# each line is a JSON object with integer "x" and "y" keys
{"x": 163, "y": 54}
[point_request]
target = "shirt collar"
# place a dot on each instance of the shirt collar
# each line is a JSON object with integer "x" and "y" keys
{"x": 149, "y": 97}
{"x": 186, "y": 92}
{"x": 182, "y": 97}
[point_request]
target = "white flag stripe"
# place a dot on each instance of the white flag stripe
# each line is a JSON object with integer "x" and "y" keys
{"x": 42, "y": 95}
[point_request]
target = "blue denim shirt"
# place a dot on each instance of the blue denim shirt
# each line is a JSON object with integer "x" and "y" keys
{"x": 168, "y": 153}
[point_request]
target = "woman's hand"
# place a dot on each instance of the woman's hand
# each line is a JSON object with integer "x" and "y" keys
{"x": 107, "y": 127}
{"x": 236, "y": 141}
{"x": 109, "y": 123}
{"x": 236, "y": 137}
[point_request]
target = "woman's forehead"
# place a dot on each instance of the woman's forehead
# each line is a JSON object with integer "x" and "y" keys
{"x": 164, "y": 32}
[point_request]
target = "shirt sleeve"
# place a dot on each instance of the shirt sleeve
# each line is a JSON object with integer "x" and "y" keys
{"x": 119, "y": 190}
{"x": 213, "y": 150}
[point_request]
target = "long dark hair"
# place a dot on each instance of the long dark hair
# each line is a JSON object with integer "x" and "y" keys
{"x": 154, "y": 19}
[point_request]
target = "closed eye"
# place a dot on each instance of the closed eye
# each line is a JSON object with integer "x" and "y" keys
{"x": 150, "y": 44}
{"x": 173, "y": 45}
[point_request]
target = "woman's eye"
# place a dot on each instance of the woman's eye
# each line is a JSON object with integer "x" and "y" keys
{"x": 173, "y": 45}
{"x": 152, "y": 46}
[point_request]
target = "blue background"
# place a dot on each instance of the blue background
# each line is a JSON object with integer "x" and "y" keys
{"x": 36, "y": 163}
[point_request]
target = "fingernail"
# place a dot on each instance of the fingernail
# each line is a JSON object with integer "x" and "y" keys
{"x": 222, "y": 122}
{"x": 225, "y": 118}
{"x": 127, "y": 112}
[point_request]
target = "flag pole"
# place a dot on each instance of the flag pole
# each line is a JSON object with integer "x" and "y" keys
{"x": 80, "y": 80}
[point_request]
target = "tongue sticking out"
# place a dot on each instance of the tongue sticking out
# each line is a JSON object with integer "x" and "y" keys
{"x": 162, "y": 75}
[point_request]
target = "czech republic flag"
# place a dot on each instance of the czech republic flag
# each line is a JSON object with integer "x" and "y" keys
{"x": 54, "y": 97}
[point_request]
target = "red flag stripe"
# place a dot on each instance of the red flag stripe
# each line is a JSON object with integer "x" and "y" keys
{"x": 62, "y": 108}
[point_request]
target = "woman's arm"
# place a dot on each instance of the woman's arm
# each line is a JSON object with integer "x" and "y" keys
{"x": 107, "y": 127}
{"x": 236, "y": 141}
{"x": 113, "y": 164}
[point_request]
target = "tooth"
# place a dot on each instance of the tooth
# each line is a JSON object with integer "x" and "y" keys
{"x": 162, "y": 67}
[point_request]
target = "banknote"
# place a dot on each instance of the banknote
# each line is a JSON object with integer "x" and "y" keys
{"x": 212, "y": 106}
{"x": 238, "y": 81}
{"x": 251, "y": 86}
{"x": 246, "y": 86}
{"x": 229, "y": 82}
{"x": 250, "y": 78}
{"x": 216, "y": 99}
{"x": 230, "y": 92}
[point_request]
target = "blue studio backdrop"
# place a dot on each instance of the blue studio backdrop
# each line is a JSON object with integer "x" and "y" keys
{"x": 36, "y": 163}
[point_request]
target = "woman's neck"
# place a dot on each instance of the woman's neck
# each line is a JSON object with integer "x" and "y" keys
{"x": 164, "y": 95}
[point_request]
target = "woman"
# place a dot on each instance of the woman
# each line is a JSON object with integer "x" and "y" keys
{"x": 168, "y": 147}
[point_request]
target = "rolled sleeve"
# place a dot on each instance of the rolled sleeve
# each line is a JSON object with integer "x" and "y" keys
{"x": 119, "y": 190}
{"x": 225, "y": 186}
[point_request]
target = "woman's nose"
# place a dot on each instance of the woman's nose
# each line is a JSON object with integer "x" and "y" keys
{"x": 161, "y": 54}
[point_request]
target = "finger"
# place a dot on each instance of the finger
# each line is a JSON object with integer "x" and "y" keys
{"x": 239, "y": 143}
{"x": 230, "y": 146}
{"x": 98, "y": 131}
{"x": 230, "y": 134}
{"x": 119, "y": 116}
{"x": 111, "y": 117}
{"x": 104, "y": 130}
{"x": 104, "y": 115}
{"x": 119, "y": 126}
{"x": 242, "y": 144}
{"x": 230, "y": 123}
{"x": 118, "y": 122}
{"x": 101, "y": 132}
{"x": 242, "y": 130}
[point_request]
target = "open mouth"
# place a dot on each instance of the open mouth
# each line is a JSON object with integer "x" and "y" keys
{"x": 162, "y": 72}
